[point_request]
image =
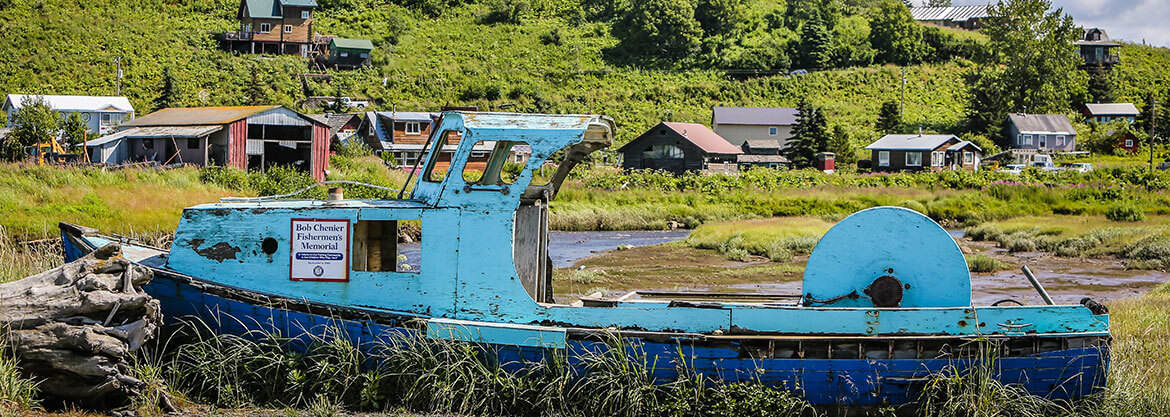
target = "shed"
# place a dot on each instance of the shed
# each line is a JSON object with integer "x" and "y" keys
{"x": 924, "y": 153}
{"x": 164, "y": 144}
{"x": 681, "y": 147}
{"x": 766, "y": 161}
{"x": 761, "y": 147}
{"x": 248, "y": 137}
{"x": 350, "y": 53}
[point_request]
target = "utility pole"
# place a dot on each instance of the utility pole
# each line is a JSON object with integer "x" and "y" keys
{"x": 1153, "y": 129}
{"x": 902, "y": 103}
{"x": 118, "y": 77}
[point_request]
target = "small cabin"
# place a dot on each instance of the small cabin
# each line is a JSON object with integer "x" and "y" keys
{"x": 1042, "y": 132}
{"x": 1097, "y": 49}
{"x": 350, "y": 53}
{"x": 1108, "y": 112}
{"x": 894, "y": 153}
{"x": 681, "y": 147}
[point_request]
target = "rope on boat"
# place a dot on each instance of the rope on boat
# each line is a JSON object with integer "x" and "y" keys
{"x": 280, "y": 196}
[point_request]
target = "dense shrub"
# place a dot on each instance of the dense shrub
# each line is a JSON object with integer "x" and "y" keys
{"x": 984, "y": 263}
{"x": 1125, "y": 212}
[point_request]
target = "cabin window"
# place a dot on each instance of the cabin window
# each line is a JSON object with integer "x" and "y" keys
{"x": 304, "y": 14}
{"x": 773, "y": 130}
{"x": 365, "y": 55}
{"x": 884, "y": 158}
{"x": 265, "y": 27}
{"x": 387, "y": 246}
{"x": 913, "y": 159}
{"x": 344, "y": 54}
{"x": 936, "y": 158}
{"x": 110, "y": 119}
{"x": 968, "y": 158}
{"x": 438, "y": 160}
{"x": 663, "y": 151}
{"x": 287, "y": 28}
{"x": 1129, "y": 143}
{"x": 192, "y": 143}
{"x": 493, "y": 167}
{"x": 1026, "y": 139}
{"x": 1059, "y": 140}
{"x": 411, "y": 128}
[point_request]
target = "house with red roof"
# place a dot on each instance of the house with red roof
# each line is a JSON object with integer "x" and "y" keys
{"x": 681, "y": 147}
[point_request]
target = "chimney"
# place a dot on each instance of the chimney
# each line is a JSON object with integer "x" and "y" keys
{"x": 919, "y": 131}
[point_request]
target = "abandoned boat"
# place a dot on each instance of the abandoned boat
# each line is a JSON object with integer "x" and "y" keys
{"x": 886, "y": 299}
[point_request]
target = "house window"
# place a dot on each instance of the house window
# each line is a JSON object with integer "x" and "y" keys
{"x": 192, "y": 143}
{"x": 968, "y": 158}
{"x": 345, "y": 54}
{"x": 773, "y": 130}
{"x": 1129, "y": 143}
{"x": 663, "y": 152}
{"x": 287, "y": 28}
{"x": 913, "y": 159}
{"x": 265, "y": 27}
{"x": 1026, "y": 139}
{"x": 884, "y": 158}
{"x": 110, "y": 119}
{"x": 412, "y": 128}
{"x": 304, "y": 14}
{"x": 1059, "y": 140}
{"x": 936, "y": 158}
{"x": 365, "y": 55}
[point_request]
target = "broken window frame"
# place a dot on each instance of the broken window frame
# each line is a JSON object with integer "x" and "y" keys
{"x": 491, "y": 177}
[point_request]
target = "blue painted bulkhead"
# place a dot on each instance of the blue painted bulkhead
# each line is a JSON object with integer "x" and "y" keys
{"x": 467, "y": 287}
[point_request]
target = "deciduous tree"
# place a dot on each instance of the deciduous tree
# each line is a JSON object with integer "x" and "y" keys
{"x": 1032, "y": 66}
{"x": 664, "y": 29}
{"x": 74, "y": 129}
{"x": 34, "y": 123}
{"x": 895, "y": 35}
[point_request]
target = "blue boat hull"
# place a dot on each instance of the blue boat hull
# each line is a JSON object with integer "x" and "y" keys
{"x": 852, "y": 380}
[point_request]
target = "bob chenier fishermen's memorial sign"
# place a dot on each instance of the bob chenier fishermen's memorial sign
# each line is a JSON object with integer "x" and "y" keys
{"x": 320, "y": 250}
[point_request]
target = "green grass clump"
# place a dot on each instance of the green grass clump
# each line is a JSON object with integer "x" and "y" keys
{"x": 17, "y": 393}
{"x": 1125, "y": 212}
{"x": 984, "y": 263}
{"x": 1151, "y": 252}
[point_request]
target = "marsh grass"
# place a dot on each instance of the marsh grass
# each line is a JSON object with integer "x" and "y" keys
{"x": 1145, "y": 245}
{"x": 21, "y": 260}
{"x": 17, "y": 393}
{"x": 984, "y": 263}
{"x": 777, "y": 239}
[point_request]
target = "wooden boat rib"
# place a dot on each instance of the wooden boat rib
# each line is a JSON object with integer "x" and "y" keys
{"x": 886, "y": 293}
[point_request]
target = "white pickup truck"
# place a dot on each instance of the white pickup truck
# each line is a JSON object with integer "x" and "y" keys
{"x": 350, "y": 103}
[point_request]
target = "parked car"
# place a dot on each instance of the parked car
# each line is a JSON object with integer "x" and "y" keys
{"x": 1079, "y": 166}
{"x": 1012, "y": 168}
{"x": 1045, "y": 166}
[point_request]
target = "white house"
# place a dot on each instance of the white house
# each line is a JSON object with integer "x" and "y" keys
{"x": 101, "y": 114}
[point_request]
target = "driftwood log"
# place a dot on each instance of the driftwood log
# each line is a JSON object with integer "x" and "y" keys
{"x": 75, "y": 327}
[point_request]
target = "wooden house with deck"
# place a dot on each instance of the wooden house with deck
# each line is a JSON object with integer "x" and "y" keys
{"x": 405, "y": 134}
{"x": 281, "y": 27}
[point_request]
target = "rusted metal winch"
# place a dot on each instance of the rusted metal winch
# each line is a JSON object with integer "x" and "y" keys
{"x": 887, "y": 257}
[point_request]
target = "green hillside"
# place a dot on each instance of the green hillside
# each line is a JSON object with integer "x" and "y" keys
{"x": 552, "y": 61}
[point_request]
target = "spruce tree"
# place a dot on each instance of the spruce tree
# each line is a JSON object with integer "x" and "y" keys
{"x": 889, "y": 118}
{"x": 815, "y": 44}
{"x": 810, "y": 136}
{"x": 169, "y": 96}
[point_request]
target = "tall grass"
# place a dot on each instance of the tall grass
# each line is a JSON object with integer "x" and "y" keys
{"x": 777, "y": 239}
{"x": 17, "y": 393}
{"x": 1145, "y": 246}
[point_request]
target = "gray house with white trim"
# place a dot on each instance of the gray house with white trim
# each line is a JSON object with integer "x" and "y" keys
{"x": 1041, "y": 132}
{"x": 894, "y": 153}
{"x": 101, "y": 113}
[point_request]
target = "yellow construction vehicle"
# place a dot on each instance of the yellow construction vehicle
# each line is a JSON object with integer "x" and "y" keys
{"x": 49, "y": 152}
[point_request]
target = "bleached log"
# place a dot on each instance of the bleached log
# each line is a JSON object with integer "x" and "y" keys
{"x": 76, "y": 327}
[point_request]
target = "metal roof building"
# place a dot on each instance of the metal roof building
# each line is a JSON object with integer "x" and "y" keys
{"x": 911, "y": 142}
{"x": 965, "y": 17}
{"x": 1053, "y": 124}
{"x": 775, "y": 116}
{"x": 1111, "y": 109}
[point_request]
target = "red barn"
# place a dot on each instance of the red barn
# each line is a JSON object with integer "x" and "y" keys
{"x": 245, "y": 137}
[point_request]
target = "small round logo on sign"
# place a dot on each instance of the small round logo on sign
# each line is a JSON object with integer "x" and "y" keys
{"x": 318, "y": 270}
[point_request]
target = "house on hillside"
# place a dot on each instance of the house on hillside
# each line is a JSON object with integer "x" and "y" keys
{"x": 1041, "y": 132}
{"x": 893, "y": 153}
{"x": 342, "y": 126}
{"x": 245, "y": 137}
{"x": 1097, "y": 48}
{"x": 681, "y": 147}
{"x": 349, "y": 53}
{"x": 740, "y": 124}
{"x": 101, "y": 114}
{"x": 405, "y": 134}
{"x": 962, "y": 17}
{"x": 1108, "y": 112}
{"x": 281, "y": 27}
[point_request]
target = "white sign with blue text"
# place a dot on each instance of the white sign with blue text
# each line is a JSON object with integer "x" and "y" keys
{"x": 320, "y": 250}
